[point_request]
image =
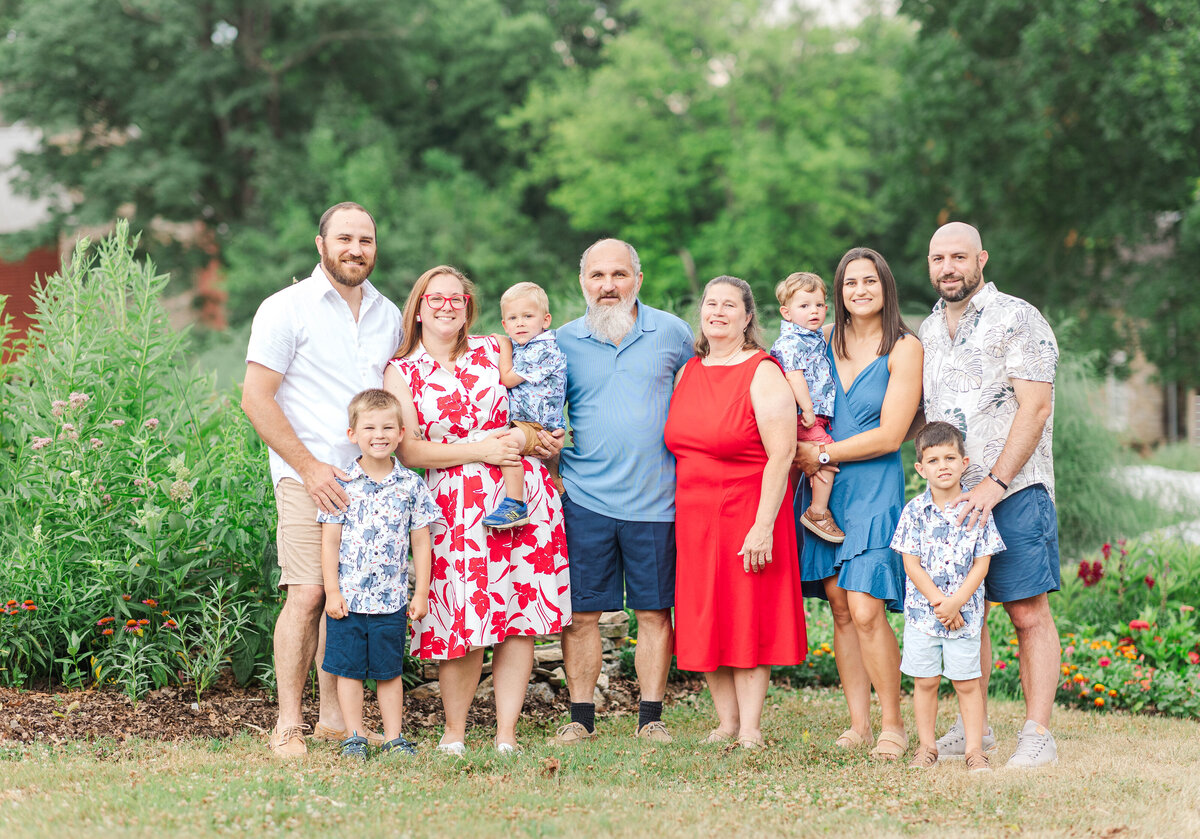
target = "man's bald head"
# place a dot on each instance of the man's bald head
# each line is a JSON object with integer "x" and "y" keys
{"x": 958, "y": 231}
{"x": 956, "y": 260}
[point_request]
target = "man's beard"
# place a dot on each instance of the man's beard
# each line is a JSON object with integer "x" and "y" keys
{"x": 341, "y": 272}
{"x": 969, "y": 283}
{"x": 612, "y": 321}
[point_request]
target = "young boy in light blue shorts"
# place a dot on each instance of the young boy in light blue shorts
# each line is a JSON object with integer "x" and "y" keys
{"x": 364, "y": 561}
{"x": 943, "y": 600}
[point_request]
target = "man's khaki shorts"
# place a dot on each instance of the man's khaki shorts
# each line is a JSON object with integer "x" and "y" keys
{"x": 298, "y": 536}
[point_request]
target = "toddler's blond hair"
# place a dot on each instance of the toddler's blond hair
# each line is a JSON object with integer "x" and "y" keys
{"x": 799, "y": 281}
{"x": 531, "y": 291}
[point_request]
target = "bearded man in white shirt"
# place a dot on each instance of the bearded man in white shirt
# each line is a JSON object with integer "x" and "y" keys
{"x": 990, "y": 363}
{"x": 313, "y": 346}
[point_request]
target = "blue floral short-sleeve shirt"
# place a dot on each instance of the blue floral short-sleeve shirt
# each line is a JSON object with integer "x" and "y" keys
{"x": 544, "y": 392}
{"x": 373, "y": 557}
{"x": 805, "y": 349}
{"x": 947, "y": 551}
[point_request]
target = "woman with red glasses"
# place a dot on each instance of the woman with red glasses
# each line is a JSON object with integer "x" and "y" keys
{"x": 489, "y": 588}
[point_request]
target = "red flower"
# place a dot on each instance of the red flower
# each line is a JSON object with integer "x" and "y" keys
{"x": 1000, "y": 665}
{"x": 1193, "y": 657}
{"x": 1104, "y": 661}
{"x": 480, "y": 601}
{"x": 1106, "y": 550}
{"x": 126, "y": 597}
{"x": 1149, "y": 581}
{"x": 1139, "y": 624}
{"x": 1090, "y": 572}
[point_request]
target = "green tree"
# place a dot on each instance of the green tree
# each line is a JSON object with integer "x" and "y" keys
{"x": 1069, "y": 132}
{"x": 724, "y": 137}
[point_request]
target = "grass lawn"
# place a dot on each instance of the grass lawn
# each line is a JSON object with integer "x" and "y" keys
{"x": 1118, "y": 776}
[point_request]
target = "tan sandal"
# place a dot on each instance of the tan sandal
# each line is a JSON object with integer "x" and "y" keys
{"x": 890, "y": 746}
{"x": 752, "y": 745}
{"x": 717, "y": 737}
{"x": 851, "y": 739}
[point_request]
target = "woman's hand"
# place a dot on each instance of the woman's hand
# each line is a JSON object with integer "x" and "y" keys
{"x": 500, "y": 449}
{"x": 806, "y": 461}
{"x": 550, "y": 443}
{"x": 756, "y": 549}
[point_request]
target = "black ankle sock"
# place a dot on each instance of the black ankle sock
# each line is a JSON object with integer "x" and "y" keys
{"x": 649, "y": 712}
{"x": 584, "y": 713}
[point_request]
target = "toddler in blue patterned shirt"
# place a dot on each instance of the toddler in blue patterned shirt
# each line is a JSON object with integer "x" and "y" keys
{"x": 534, "y": 370}
{"x": 802, "y": 352}
{"x": 364, "y": 562}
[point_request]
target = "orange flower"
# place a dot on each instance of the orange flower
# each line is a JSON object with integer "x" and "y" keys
{"x": 1099, "y": 703}
{"x": 1112, "y": 693}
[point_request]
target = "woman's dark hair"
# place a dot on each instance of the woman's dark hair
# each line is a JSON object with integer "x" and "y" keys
{"x": 893, "y": 325}
{"x": 752, "y": 337}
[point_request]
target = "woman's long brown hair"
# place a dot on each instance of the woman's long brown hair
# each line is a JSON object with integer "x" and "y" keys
{"x": 412, "y": 310}
{"x": 893, "y": 325}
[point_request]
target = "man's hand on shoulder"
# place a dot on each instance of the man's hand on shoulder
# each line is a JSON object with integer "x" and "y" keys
{"x": 320, "y": 479}
{"x": 980, "y": 500}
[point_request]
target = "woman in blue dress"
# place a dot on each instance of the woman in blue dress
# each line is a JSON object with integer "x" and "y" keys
{"x": 877, "y": 371}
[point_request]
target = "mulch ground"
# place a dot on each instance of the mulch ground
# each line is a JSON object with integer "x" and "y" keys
{"x": 170, "y": 714}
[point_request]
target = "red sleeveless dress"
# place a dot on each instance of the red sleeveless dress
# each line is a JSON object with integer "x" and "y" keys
{"x": 725, "y": 616}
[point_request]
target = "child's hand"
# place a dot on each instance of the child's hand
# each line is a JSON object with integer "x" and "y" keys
{"x": 956, "y": 623}
{"x": 335, "y": 606}
{"x": 808, "y": 419}
{"x": 418, "y": 607}
{"x": 946, "y": 611}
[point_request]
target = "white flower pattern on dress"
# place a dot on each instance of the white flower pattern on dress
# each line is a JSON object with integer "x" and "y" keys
{"x": 805, "y": 349}
{"x": 373, "y": 557}
{"x": 947, "y": 551}
{"x": 544, "y": 393}
{"x": 968, "y": 380}
{"x": 485, "y": 585}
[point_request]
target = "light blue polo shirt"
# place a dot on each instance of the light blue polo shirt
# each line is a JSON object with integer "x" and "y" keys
{"x": 617, "y": 400}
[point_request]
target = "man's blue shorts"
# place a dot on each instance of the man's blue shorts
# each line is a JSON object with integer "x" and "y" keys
{"x": 366, "y": 646}
{"x": 1029, "y": 565}
{"x": 617, "y": 564}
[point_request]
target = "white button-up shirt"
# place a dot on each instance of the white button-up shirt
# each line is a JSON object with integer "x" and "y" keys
{"x": 968, "y": 379}
{"x": 308, "y": 333}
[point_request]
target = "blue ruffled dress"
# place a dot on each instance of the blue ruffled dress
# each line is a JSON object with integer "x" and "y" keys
{"x": 867, "y": 498}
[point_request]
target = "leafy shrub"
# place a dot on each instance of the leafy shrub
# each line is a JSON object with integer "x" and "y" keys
{"x": 128, "y": 490}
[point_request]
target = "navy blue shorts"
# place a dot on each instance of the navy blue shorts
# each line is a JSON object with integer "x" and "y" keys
{"x": 366, "y": 646}
{"x": 1029, "y": 565}
{"x": 617, "y": 564}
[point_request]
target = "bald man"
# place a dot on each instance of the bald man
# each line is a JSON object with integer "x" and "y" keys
{"x": 990, "y": 360}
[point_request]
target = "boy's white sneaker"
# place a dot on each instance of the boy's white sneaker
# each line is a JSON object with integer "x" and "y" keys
{"x": 953, "y": 744}
{"x": 1035, "y": 747}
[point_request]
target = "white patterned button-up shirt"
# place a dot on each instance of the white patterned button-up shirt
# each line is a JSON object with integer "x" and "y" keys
{"x": 968, "y": 379}
{"x": 805, "y": 349}
{"x": 540, "y": 398}
{"x": 947, "y": 551}
{"x": 373, "y": 557}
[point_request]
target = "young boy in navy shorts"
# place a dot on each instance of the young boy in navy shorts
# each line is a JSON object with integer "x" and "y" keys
{"x": 943, "y": 602}
{"x": 364, "y": 559}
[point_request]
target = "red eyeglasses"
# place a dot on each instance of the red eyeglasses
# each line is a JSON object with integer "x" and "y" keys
{"x": 437, "y": 302}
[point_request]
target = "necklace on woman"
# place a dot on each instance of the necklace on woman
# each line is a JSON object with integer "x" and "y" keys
{"x": 725, "y": 360}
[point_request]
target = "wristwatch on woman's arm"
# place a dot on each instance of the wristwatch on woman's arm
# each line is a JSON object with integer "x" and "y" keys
{"x": 823, "y": 456}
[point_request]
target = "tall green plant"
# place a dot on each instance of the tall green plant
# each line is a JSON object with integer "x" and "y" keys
{"x": 127, "y": 485}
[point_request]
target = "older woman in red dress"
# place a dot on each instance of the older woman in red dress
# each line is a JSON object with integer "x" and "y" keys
{"x": 732, "y": 429}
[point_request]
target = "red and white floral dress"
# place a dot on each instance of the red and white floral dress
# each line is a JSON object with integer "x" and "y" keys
{"x": 486, "y": 584}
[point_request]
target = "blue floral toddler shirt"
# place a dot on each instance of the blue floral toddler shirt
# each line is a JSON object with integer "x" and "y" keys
{"x": 805, "y": 349}
{"x": 373, "y": 557}
{"x": 947, "y": 551}
{"x": 544, "y": 392}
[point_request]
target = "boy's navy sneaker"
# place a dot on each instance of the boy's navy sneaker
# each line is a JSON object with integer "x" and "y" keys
{"x": 400, "y": 746}
{"x": 355, "y": 748}
{"x": 510, "y": 513}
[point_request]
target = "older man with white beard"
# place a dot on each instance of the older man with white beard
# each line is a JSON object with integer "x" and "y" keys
{"x": 313, "y": 345}
{"x": 622, "y": 357}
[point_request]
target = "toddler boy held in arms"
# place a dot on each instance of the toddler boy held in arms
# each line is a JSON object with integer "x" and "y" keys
{"x": 364, "y": 560}
{"x": 801, "y": 350}
{"x": 534, "y": 370}
{"x": 944, "y": 600}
